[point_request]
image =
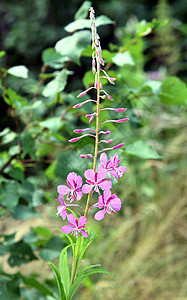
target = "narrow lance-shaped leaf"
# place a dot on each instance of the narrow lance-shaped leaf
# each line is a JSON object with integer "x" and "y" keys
{"x": 83, "y": 276}
{"x": 59, "y": 282}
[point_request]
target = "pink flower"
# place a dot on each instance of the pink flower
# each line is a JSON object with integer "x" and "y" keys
{"x": 112, "y": 165}
{"x": 62, "y": 208}
{"x": 96, "y": 180}
{"x": 75, "y": 226}
{"x": 109, "y": 203}
{"x": 75, "y": 183}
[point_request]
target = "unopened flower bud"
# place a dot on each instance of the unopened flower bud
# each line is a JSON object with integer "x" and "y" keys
{"x": 74, "y": 140}
{"x": 120, "y": 109}
{"x": 122, "y": 120}
{"x": 110, "y": 97}
{"x": 118, "y": 146}
{"x": 78, "y": 130}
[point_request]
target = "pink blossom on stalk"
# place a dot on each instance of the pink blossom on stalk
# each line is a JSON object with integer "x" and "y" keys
{"x": 96, "y": 180}
{"x": 111, "y": 165}
{"x": 75, "y": 226}
{"x": 108, "y": 203}
{"x": 74, "y": 190}
{"x": 62, "y": 208}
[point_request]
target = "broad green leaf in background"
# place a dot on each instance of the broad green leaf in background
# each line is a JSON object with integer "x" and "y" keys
{"x": 44, "y": 149}
{"x": 52, "y": 58}
{"x": 53, "y": 123}
{"x": 173, "y": 91}
{"x": 85, "y": 23}
{"x": 17, "y": 173}
{"x": 82, "y": 12}
{"x": 11, "y": 194}
{"x": 28, "y": 144}
{"x": 57, "y": 84}
{"x": 72, "y": 46}
{"x": 121, "y": 59}
{"x": 2, "y": 53}
{"x": 24, "y": 212}
{"x": 18, "y": 71}
{"x": 52, "y": 248}
{"x": 33, "y": 282}
{"x": 142, "y": 150}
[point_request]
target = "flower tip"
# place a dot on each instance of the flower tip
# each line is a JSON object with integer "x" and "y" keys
{"x": 81, "y": 94}
{"x": 74, "y": 140}
{"x": 122, "y": 120}
{"x": 118, "y": 146}
{"x": 78, "y": 130}
{"x": 77, "y": 105}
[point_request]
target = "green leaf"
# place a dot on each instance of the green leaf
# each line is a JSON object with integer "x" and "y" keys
{"x": 9, "y": 137}
{"x": 88, "y": 78}
{"x": 121, "y": 59}
{"x": 53, "y": 59}
{"x": 142, "y": 150}
{"x": 84, "y": 23}
{"x": 11, "y": 197}
{"x": 18, "y": 71}
{"x": 28, "y": 144}
{"x": 82, "y": 12}
{"x": 53, "y": 124}
{"x": 20, "y": 253}
{"x": 39, "y": 230}
{"x": 86, "y": 268}
{"x": 52, "y": 248}
{"x": 173, "y": 91}
{"x": 64, "y": 270}
{"x": 2, "y": 53}
{"x": 44, "y": 149}
{"x": 14, "y": 150}
{"x": 13, "y": 99}
{"x": 77, "y": 25}
{"x": 103, "y": 20}
{"x": 59, "y": 282}
{"x": 22, "y": 212}
{"x": 17, "y": 173}
{"x": 72, "y": 46}
{"x": 57, "y": 84}
{"x": 83, "y": 276}
{"x": 32, "y": 282}
{"x": 154, "y": 85}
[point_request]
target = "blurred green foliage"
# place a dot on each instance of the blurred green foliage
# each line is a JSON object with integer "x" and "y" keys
{"x": 145, "y": 243}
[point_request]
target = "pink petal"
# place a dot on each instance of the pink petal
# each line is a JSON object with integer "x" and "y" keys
{"x": 115, "y": 203}
{"x": 106, "y": 185}
{"x": 90, "y": 174}
{"x": 82, "y": 221}
{"x": 103, "y": 159}
{"x": 86, "y": 188}
{"x": 84, "y": 233}
{"x": 61, "y": 199}
{"x": 79, "y": 195}
{"x": 63, "y": 189}
{"x": 107, "y": 194}
{"x": 100, "y": 215}
{"x": 70, "y": 178}
{"x": 71, "y": 218}
{"x": 79, "y": 181}
{"x": 66, "y": 229}
{"x": 101, "y": 201}
{"x": 101, "y": 174}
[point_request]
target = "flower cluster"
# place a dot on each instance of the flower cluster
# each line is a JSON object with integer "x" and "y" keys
{"x": 98, "y": 179}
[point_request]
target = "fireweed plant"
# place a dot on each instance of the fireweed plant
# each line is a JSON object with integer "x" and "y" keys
{"x": 98, "y": 181}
